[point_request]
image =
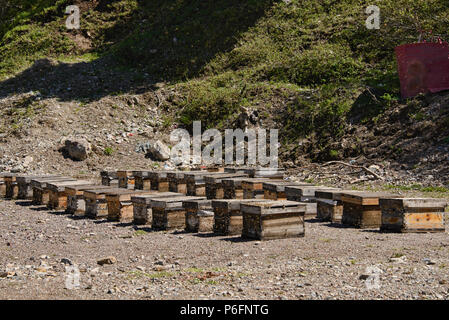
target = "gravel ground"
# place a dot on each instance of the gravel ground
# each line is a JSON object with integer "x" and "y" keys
{"x": 330, "y": 262}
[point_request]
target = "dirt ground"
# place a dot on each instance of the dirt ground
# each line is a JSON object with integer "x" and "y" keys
{"x": 330, "y": 262}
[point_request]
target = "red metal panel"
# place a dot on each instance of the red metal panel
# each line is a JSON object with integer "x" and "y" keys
{"x": 423, "y": 67}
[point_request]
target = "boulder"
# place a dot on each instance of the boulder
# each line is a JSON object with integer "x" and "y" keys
{"x": 77, "y": 148}
{"x": 158, "y": 151}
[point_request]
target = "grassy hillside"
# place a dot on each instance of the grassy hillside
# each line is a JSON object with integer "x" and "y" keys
{"x": 303, "y": 65}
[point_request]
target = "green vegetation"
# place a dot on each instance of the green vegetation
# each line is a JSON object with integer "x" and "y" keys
{"x": 108, "y": 151}
{"x": 303, "y": 63}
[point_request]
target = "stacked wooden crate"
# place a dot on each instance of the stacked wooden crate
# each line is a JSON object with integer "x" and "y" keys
{"x": 305, "y": 194}
{"x": 41, "y": 194}
{"x": 142, "y": 212}
{"x": 362, "y": 209}
{"x": 412, "y": 214}
{"x": 12, "y": 189}
{"x": 214, "y": 185}
{"x": 329, "y": 205}
{"x": 96, "y": 204}
{"x": 273, "y": 220}
{"x": 177, "y": 182}
{"x": 253, "y": 187}
{"x": 57, "y": 196}
{"x": 120, "y": 206}
{"x": 142, "y": 180}
{"x": 228, "y": 218}
{"x": 169, "y": 214}
{"x": 275, "y": 190}
{"x": 159, "y": 181}
{"x": 76, "y": 203}
{"x": 109, "y": 178}
{"x": 125, "y": 179}
{"x": 199, "y": 215}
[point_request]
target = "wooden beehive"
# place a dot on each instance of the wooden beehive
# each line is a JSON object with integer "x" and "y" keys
{"x": 2, "y": 185}
{"x": 412, "y": 214}
{"x": 214, "y": 186}
{"x": 120, "y": 206}
{"x": 275, "y": 190}
{"x": 177, "y": 182}
{"x": 362, "y": 209}
{"x": 57, "y": 199}
{"x": 11, "y": 187}
{"x": 41, "y": 194}
{"x": 266, "y": 173}
{"x": 169, "y": 214}
{"x": 76, "y": 203}
{"x": 142, "y": 180}
{"x": 109, "y": 178}
{"x": 237, "y": 170}
{"x": 273, "y": 220}
{"x": 232, "y": 188}
{"x": 228, "y": 218}
{"x": 95, "y": 201}
{"x": 125, "y": 179}
{"x": 305, "y": 194}
{"x": 253, "y": 187}
{"x": 196, "y": 185}
{"x": 216, "y": 169}
{"x": 142, "y": 212}
{"x": 24, "y": 185}
{"x": 329, "y": 205}
{"x": 159, "y": 181}
{"x": 199, "y": 215}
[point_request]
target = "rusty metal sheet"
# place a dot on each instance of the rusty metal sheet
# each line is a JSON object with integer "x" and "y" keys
{"x": 423, "y": 68}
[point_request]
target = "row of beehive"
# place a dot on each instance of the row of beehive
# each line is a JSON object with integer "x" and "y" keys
{"x": 259, "y": 209}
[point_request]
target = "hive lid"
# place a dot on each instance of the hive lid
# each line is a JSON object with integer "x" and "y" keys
{"x": 219, "y": 177}
{"x": 265, "y": 208}
{"x": 415, "y": 202}
{"x": 60, "y": 185}
{"x": 147, "y": 198}
{"x": 366, "y": 197}
{"x": 279, "y": 186}
{"x": 173, "y": 202}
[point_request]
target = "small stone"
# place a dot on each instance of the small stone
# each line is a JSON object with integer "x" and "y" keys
{"x": 66, "y": 261}
{"x": 107, "y": 260}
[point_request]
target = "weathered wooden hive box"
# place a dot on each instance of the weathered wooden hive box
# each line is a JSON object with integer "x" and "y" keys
{"x": 196, "y": 185}
{"x": 41, "y": 195}
{"x": 142, "y": 212}
{"x": 120, "y": 206}
{"x": 2, "y": 185}
{"x": 12, "y": 188}
{"x": 96, "y": 204}
{"x": 57, "y": 199}
{"x": 125, "y": 179}
{"x": 142, "y": 180}
{"x": 268, "y": 173}
{"x": 329, "y": 205}
{"x": 270, "y": 220}
{"x": 253, "y": 187}
{"x": 228, "y": 218}
{"x": 76, "y": 203}
{"x": 109, "y": 178}
{"x": 177, "y": 182}
{"x": 24, "y": 183}
{"x": 169, "y": 214}
{"x": 199, "y": 215}
{"x": 413, "y": 214}
{"x": 305, "y": 194}
{"x": 275, "y": 190}
{"x": 362, "y": 209}
{"x": 214, "y": 185}
{"x": 159, "y": 181}
{"x": 232, "y": 188}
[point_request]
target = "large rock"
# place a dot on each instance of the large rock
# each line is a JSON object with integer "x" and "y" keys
{"x": 77, "y": 148}
{"x": 157, "y": 151}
